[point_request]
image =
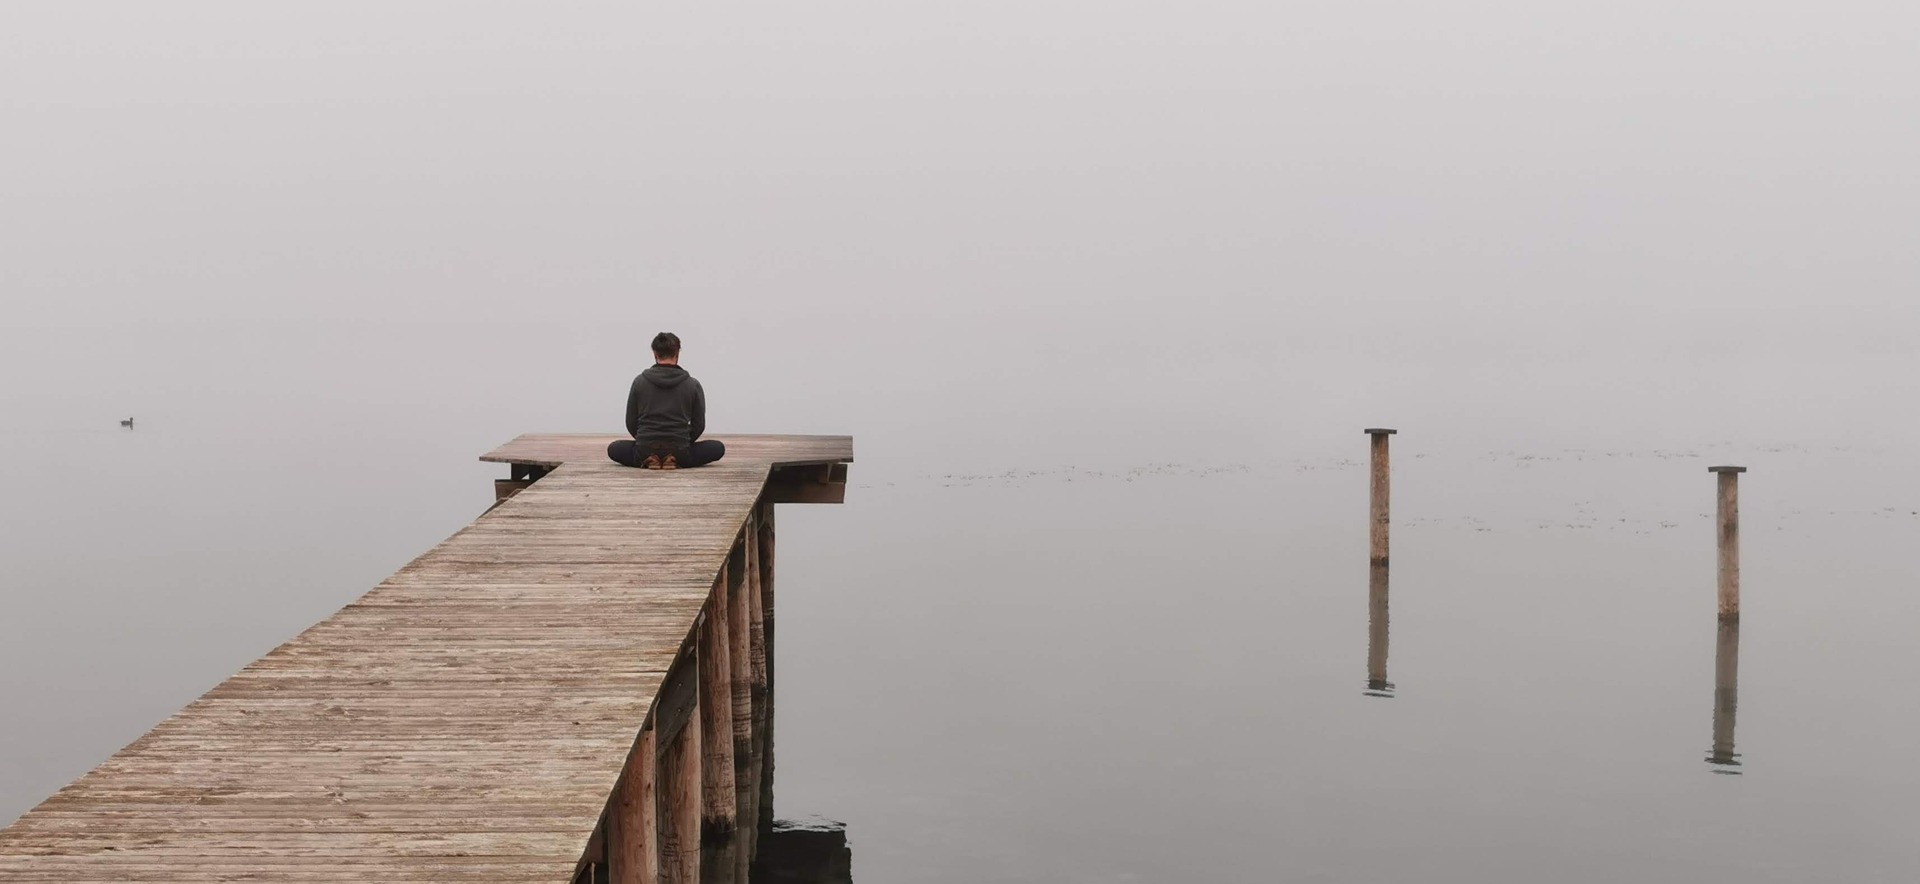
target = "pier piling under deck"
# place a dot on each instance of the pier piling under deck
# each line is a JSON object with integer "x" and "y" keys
{"x": 525, "y": 702}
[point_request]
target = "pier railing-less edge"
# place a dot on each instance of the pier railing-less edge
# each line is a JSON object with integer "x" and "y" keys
{"x": 697, "y": 790}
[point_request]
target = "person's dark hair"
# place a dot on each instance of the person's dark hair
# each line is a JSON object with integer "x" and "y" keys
{"x": 666, "y": 345}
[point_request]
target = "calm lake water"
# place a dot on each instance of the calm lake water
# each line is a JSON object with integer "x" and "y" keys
{"x": 1106, "y": 294}
{"x": 1027, "y": 664}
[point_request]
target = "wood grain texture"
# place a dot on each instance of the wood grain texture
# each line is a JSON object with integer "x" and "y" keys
{"x": 740, "y": 672}
{"x": 756, "y": 675}
{"x": 632, "y": 824}
{"x": 1380, "y": 498}
{"x": 678, "y": 811}
{"x": 765, "y": 753}
{"x": 1729, "y": 531}
{"x": 467, "y": 720}
{"x": 719, "y": 813}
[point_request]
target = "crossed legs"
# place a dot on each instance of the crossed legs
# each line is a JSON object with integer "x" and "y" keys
{"x": 633, "y": 454}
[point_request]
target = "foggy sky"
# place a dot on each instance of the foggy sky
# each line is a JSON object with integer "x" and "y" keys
{"x": 1389, "y": 179}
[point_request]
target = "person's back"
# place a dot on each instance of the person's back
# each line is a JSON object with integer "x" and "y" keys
{"x": 666, "y": 413}
{"x": 666, "y": 405}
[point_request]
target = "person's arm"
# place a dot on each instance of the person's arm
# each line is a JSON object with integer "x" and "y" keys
{"x": 633, "y": 409}
{"x": 699, "y": 412}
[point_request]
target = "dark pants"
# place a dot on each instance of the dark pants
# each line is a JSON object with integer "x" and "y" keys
{"x": 630, "y": 453}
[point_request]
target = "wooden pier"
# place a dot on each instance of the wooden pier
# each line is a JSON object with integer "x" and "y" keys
{"x": 576, "y": 687}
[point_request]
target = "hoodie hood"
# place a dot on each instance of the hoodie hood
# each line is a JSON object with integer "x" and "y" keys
{"x": 666, "y": 377}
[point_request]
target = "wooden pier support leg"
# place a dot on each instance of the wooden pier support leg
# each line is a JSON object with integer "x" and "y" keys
{"x": 1382, "y": 492}
{"x": 1729, "y": 523}
{"x": 1377, "y": 632}
{"x": 718, "y": 811}
{"x": 633, "y": 828}
{"x": 679, "y": 806}
{"x": 739, "y": 615}
{"x": 1726, "y": 694}
{"x": 757, "y": 685}
{"x": 765, "y": 804}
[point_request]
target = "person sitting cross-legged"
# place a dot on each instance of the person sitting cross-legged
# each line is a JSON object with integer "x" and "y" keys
{"x": 666, "y": 413}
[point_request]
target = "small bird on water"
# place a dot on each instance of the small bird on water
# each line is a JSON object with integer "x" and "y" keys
{"x": 128, "y": 423}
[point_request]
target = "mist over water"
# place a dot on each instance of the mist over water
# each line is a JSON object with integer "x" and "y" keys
{"x": 1105, "y": 293}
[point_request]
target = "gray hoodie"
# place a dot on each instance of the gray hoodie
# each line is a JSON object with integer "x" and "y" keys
{"x": 666, "y": 407}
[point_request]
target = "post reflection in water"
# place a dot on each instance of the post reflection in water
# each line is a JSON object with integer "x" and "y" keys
{"x": 1377, "y": 684}
{"x": 809, "y": 851}
{"x": 1726, "y": 681}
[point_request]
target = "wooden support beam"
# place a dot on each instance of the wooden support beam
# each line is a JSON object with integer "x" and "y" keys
{"x": 633, "y": 824}
{"x": 678, "y": 810}
{"x": 765, "y": 756}
{"x": 505, "y": 488}
{"x": 739, "y": 615}
{"x": 803, "y": 489}
{"x": 596, "y": 853}
{"x": 677, "y": 703}
{"x": 530, "y": 472}
{"x": 719, "y": 809}
{"x": 756, "y": 682}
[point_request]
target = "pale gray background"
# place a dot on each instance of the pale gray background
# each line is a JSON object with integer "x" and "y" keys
{"x": 328, "y": 253}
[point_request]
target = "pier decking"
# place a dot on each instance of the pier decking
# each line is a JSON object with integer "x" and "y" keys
{"x": 504, "y": 708}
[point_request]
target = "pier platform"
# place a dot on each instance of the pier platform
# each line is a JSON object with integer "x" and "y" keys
{"x": 578, "y": 686}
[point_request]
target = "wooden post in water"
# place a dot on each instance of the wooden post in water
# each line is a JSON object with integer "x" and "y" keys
{"x": 679, "y": 802}
{"x": 718, "y": 810}
{"x": 1729, "y": 523}
{"x": 756, "y": 671}
{"x": 739, "y": 649}
{"x": 765, "y": 776}
{"x": 633, "y": 856}
{"x": 1381, "y": 486}
{"x": 1726, "y": 691}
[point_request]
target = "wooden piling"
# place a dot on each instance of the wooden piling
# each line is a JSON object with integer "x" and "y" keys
{"x": 719, "y": 811}
{"x": 633, "y": 825}
{"x": 1729, "y": 525}
{"x": 756, "y": 670}
{"x": 739, "y": 614}
{"x": 679, "y": 806}
{"x": 1381, "y": 487}
{"x": 1377, "y": 684}
{"x": 1726, "y": 693}
{"x": 765, "y": 776}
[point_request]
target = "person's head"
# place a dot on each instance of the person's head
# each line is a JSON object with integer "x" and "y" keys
{"x": 666, "y": 348}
